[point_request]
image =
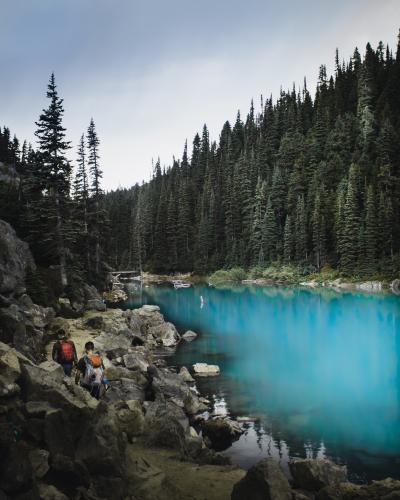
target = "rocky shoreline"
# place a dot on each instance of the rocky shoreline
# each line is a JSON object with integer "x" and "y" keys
{"x": 148, "y": 438}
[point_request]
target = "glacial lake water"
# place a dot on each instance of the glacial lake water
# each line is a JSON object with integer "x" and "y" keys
{"x": 317, "y": 370}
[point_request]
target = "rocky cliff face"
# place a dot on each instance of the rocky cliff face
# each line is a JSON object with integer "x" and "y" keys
{"x": 22, "y": 323}
{"x": 15, "y": 260}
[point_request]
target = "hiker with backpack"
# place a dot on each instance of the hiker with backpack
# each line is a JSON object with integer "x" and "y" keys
{"x": 64, "y": 353}
{"x": 90, "y": 373}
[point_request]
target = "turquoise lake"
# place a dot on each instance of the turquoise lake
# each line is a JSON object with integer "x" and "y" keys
{"x": 318, "y": 371}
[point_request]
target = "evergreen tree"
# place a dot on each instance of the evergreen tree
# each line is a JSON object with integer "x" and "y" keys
{"x": 351, "y": 224}
{"x": 319, "y": 230}
{"x": 371, "y": 232}
{"x": 288, "y": 241}
{"x": 270, "y": 234}
{"x": 53, "y": 173}
{"x": 301, "y": 231}
{"x": 97, "y": 215}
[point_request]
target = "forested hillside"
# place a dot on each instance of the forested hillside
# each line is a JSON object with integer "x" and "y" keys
{"x": 309, "y": 181}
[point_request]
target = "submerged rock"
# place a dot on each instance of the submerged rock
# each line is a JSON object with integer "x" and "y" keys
{"x": 264, "y": 481}
{"x": 189, "y": 336}
{"x": 204, "y": 369}
{"x": 221, "y": 432}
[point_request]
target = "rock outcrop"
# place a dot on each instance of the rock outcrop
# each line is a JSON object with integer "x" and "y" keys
{"x": 264, "y": 481}
{"x": 15, "y": 261}
{"x": 313, "y": 475}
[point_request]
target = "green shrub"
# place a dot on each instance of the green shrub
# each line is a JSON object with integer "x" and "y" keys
{"x": 282, "y": 273}
{"x": 326, "y": 273}
{"x": 237, "y": 274}
{"x": 219, "y": 276}
{"x": 255, "y": 272}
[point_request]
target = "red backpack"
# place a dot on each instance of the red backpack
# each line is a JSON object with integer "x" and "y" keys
{"x": 66, "y": 351}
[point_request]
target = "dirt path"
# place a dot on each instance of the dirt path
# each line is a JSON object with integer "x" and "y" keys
{"x": 192, "y": 481}
{"x": 80, "y": 335}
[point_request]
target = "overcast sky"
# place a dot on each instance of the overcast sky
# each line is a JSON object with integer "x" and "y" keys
{"x": 152, "y": 72}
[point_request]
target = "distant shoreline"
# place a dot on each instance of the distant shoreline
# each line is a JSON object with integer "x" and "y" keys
{"x": 314, "y": 281}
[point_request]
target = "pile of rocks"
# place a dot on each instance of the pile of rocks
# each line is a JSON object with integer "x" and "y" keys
{"x": 56, "y": 441}
{"x": 132, "y": 343}
{"x": 311, "y": 479}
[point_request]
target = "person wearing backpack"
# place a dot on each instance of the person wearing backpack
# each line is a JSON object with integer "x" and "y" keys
{"x": 64, "y": 353}
{"x": 90, "y": 374}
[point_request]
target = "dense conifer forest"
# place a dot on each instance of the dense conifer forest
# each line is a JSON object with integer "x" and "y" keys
{"x": 309, "y": 181}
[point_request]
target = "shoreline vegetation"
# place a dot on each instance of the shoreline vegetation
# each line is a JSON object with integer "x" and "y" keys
{"x": 276, "y": 274}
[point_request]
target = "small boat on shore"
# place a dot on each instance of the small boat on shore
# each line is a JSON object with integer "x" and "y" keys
{"x": 181, "y": 284}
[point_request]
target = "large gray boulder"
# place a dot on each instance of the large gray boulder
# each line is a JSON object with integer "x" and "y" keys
{"x": 136, "y": 361}
{"x": 24, "y": 328}
{"x": 48, "y": 384}
{"x": 264, "y": 481}
{"x": 119, "y": 372}
{"x": 166, "y": 425}
{"x": 171, "y": 386}
{"x": 101, "y": 448}
{"x": 15, "y": 260}
{"x": 185, "y": 375}
{"x": 165, "y": 333}
{"x": 80, "y": 295}
{"x": 314, "y": 474}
